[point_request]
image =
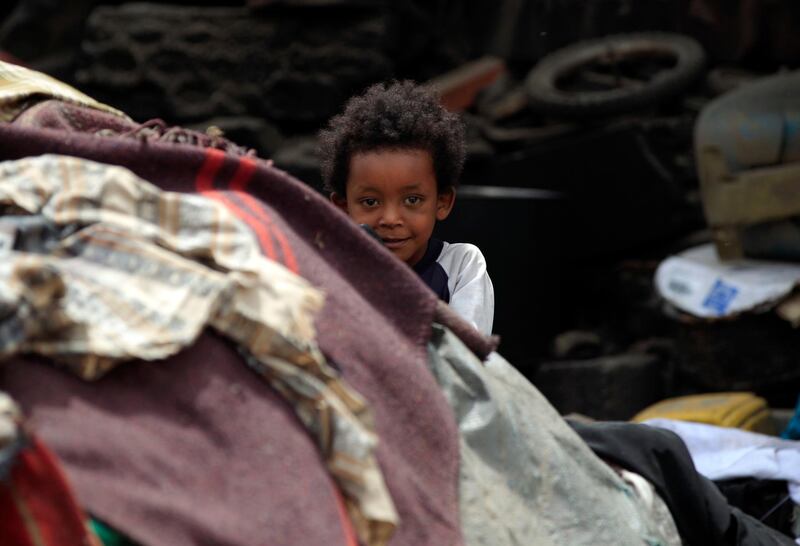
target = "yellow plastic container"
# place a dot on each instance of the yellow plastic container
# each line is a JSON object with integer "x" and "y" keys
{"x": 742, "y": 410}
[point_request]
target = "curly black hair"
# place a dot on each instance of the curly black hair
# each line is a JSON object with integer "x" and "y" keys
{"x": 392, "y": 116}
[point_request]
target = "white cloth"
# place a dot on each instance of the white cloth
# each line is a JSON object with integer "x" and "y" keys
{"x": 697, "y": 282}
{"x": 471, "y": 291}
{"x": 721, "y": 453}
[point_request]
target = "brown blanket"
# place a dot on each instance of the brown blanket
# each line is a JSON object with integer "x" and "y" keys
{"x": 196, "y": 450}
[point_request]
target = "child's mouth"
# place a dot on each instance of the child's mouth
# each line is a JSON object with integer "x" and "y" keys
{"x": 394, "y": 243}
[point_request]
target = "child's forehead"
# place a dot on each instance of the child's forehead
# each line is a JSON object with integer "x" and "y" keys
{"x": 391, "y": 170}
{"x": 389, "y": 186}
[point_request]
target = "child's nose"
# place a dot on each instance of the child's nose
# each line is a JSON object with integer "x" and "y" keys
{"x": 391, "y": 216}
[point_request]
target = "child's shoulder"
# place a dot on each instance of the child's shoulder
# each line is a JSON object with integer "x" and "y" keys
{"x": 463, "y": 254}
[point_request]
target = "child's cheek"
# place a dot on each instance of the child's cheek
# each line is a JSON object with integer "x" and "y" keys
{"x": 362, "y": 215}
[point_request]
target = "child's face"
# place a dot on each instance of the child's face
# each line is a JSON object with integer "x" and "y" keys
{"x": 395, "y": 193}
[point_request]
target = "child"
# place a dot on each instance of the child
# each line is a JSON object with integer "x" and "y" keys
{"x": 391, "y": 161}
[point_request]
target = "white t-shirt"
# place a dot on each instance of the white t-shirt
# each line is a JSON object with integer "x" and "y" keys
{"x": 457, "y": 273}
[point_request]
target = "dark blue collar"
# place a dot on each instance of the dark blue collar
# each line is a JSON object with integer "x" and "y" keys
{"x": 431, "y": 272}
{"x": 435, "y": 247}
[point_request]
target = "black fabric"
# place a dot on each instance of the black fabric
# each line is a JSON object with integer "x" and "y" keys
{"x": 766, "y": 500}
{"x": 431, "y": 272}
{"x": 701, "y": 513}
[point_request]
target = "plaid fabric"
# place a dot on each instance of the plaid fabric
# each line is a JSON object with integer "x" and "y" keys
{"x": 141, "y": 276}
{"x": 20, "y": 86}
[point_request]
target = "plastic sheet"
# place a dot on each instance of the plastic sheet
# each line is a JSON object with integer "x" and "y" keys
{"x": 525, "y": 476}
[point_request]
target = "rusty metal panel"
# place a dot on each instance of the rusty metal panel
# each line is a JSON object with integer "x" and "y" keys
{"x": 459, "y": 87}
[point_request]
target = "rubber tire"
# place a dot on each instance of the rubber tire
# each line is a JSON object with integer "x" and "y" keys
{"x": 546, "y": 98}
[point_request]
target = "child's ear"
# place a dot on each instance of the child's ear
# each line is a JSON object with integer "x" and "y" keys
{"x": 339, "y": 201}
{"x": 444, "y": 203}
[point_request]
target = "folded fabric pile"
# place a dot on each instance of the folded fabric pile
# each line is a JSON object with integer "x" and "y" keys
{"x": 109, "y": 282}
{"x": 197, "y": 447}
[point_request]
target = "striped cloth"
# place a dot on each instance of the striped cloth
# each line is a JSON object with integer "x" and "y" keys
{"x": 20, "y": 87}
{"x": 134, "y": 272}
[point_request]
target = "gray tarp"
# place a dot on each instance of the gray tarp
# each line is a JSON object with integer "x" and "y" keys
{"x": 525, "y": 476}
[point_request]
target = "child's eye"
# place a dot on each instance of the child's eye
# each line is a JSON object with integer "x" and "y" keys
{"x": 369, "y": 202}
{"x": 413, "y": 200}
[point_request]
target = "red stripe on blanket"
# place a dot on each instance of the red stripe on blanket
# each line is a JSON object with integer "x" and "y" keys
{"x": 255, "y": 210}
{"x": 204, "y": 184}
{"x": 241, "y": 178}
{"x": 37, "y": 503}
{"x": 244, "y": 172}
{"x": 13, "y": 526}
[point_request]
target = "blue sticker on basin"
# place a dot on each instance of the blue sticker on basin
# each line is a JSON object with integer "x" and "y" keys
{"x": 720, "y": 297}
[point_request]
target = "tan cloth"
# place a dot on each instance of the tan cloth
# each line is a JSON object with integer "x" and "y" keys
{"x": 140, "y": 277}
{"x": 19, "y": 87}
